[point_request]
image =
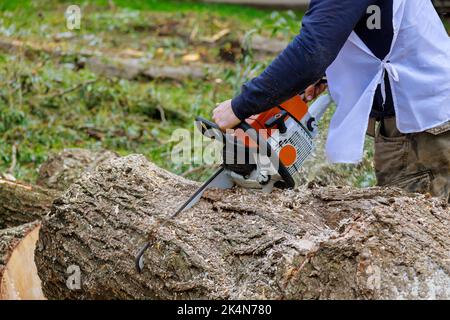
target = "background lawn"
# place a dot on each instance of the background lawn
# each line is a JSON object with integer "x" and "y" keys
{"x": 50, "y": 101}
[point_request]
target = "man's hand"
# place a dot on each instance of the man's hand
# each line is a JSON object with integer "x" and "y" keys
{"x": 224, "y": 116}
{"x": 314, "y": 91}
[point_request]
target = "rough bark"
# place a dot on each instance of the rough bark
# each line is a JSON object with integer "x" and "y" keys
{"x": 63, "y": 168}
{"x": 18, "y": 274}
{"x": 325, "y": 243}
{"x": 22, "y": 203}
{"x": 268, "y": 45}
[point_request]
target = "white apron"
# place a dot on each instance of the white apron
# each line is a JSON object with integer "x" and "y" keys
{"x": 418, "y": 66}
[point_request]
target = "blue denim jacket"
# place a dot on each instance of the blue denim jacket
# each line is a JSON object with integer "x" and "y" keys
{"x": 325, "y": 29}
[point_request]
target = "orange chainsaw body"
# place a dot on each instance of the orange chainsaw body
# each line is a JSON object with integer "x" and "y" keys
{"x": 296, "y": 108}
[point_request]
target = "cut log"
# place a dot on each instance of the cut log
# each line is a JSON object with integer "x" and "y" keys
{"x": 106, "y": 65}
{"x": 18, "y": 273}
{"x": 22, "y": 203}
{"x": 114, "y": 68}
{"x": 132, "y": 69}
{"x": 274, "y": 46}
{"x": 324, "y": 243}
{"x": 31, "y": 48}
{"x": 63, "y": 168}
{"x": 179, "y": 73}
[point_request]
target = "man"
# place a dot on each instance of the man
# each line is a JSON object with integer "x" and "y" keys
{"x": 389, "y": 77}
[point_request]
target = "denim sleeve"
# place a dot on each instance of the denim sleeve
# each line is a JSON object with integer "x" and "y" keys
{"x": 325, "y": 29}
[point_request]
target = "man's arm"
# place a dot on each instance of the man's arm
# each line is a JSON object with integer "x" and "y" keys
{"x": 326, "y": 27}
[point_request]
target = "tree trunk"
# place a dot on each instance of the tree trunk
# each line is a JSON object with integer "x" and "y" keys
{"x": 18, "y": 274}
{"x": 22, "y": 203}
{"x": 64, "y": 168}
{"x": 324, "y": 243}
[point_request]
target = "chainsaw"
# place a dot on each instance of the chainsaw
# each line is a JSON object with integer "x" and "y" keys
{"x": 263, "y": 152}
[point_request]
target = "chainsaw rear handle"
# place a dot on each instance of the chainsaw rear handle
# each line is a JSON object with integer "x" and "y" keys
{"x": 211, "y": 130}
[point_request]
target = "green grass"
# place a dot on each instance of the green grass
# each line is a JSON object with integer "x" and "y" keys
{"x": 188, "y": 6}
{"x": 242, "y": 17}
{"x": 224, "y": 10}
{"x": 109, "y": 114}
{"x": 123, "y": 115}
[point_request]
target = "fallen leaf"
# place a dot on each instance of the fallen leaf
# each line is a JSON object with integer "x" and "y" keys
{"x": 64, "y": 36}
{"x": 219, "y": 35}
{"x": 131, "y": 53}
{"x": 191, "y": 57}
{"x": 8, "y": 176}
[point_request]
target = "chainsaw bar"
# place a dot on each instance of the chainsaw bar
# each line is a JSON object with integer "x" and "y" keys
{"x": 219, "y": 180}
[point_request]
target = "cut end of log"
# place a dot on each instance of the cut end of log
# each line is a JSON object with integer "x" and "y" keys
{"x": 19, "y": 279}
{"x": 21, "y": 203}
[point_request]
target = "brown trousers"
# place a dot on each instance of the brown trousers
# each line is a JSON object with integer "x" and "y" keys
{"x": 417, "y": 162}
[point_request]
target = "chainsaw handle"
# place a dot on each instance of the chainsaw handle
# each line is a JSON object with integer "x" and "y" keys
{"x": 205, "y": 125}
{"x": 244, "y": 126}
